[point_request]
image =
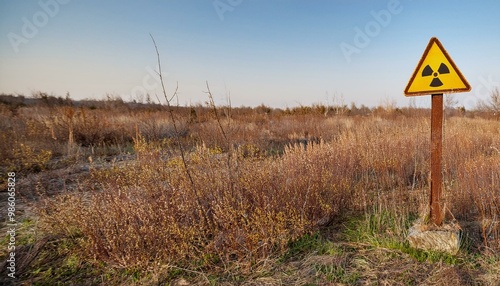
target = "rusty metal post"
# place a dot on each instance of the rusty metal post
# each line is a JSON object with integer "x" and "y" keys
{"x": 436, "y": 215}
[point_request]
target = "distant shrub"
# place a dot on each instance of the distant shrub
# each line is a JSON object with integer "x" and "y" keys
{"x": 23, "y": 158}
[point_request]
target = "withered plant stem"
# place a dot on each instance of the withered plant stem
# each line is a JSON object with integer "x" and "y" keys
{"x": 177, "y": 136}
{"x": 226, "y": 138}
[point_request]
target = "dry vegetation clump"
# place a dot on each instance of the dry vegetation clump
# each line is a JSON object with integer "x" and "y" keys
{"x": 472, "y": 164}
{"x": 252, "y": 184}
{"x": 235, "y": 208}
{"x": 21, "y": 149}
{"x": 242, "y": 217}
{"x": 38, "y": 131}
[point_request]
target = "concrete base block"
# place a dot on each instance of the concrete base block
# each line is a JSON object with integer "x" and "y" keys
{"x": 445, "y": 238}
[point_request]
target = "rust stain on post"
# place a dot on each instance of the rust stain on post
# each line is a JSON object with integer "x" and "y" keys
{"x": 436, "y": 215}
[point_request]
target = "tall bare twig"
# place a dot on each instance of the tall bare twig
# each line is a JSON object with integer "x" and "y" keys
{"x": 216, "y": 113}
{"x": 225, "y": 135}
{"x": 177, "y": 136}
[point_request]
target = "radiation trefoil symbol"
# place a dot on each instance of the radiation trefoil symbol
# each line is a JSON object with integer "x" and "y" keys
{"x": 436, "y": 73}
{"x": 436, "y": 82}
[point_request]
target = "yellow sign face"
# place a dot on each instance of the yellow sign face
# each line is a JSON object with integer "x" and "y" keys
{"x": 436, "y": 73}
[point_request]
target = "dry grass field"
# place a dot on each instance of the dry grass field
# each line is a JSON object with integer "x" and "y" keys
{"x": 116, "y": 193}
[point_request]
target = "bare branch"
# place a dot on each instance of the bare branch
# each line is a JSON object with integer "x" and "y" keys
{"x": 178, "y": 139}
{"x": 212, "y": 104}
{"x": 159, "y": 70}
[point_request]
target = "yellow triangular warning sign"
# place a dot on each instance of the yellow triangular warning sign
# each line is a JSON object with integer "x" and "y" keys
{"x": 436, "y": 73}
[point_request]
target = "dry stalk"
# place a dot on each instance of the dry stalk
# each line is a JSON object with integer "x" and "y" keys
{"x": 177, "y": 137}
{"x": 226, "y": 138}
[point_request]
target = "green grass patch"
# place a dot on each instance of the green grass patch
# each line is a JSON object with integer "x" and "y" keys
{"x": 389, "y": 230}
{"x": 25, "y": 233}
{"x": 337, "y": 274}
{"x": 310, "y": 243}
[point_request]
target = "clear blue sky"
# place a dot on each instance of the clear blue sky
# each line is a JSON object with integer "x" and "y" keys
{"x": 280, "y": 53}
